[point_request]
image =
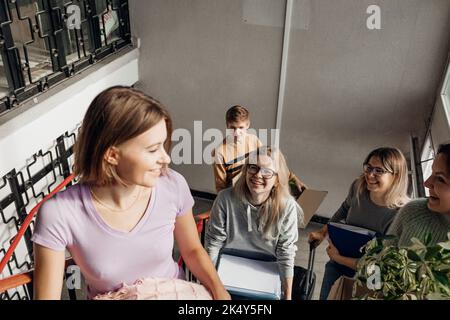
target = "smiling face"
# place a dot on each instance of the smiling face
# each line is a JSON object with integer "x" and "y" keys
{"x": 261, "y": 182}
{"x": 140, "y": 160}
{"x": 439, "y": 185}
{"x": 378, "y": 179}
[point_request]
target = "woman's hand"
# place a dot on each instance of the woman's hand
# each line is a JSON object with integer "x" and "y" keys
{"x": 221, "y": 294}
{"x": 196, "y": 258}
{"x": 316, "y": 237}
{"x": 300, "y": 185}
{"x": 333, "y": 252}
{"x": 335, "y": 256}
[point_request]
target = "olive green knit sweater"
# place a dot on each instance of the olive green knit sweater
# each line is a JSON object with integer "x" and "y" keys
{"x": 416, "y": 220}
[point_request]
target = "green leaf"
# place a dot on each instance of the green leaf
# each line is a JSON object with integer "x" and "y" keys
{"x": 442, "y": 278}
{"x": 445, "y": 245}
{"x": 432, "y": 252}
{"x": 437, "y": 296}
{"x": 415, "y": 272}
{"x": 414, "y": 256}
{"x": 443, "y": 267}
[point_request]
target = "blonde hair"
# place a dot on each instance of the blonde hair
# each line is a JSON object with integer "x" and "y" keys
{"x": 393, "y": 161}
{"x": 116, "y": 115}
{"x": 272, "y": 209}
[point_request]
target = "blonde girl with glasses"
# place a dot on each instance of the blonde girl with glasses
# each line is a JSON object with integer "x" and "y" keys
{"x": 258, "y": 215}
{"x": 372, "y": 203}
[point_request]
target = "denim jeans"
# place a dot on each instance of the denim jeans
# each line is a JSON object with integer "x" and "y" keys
{"x": 332, "y": 273}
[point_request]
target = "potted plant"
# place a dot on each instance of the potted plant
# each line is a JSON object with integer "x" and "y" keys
{"x": 418, "y": 272}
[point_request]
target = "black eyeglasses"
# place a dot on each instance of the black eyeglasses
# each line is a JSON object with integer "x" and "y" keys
{"x": 377, "y": 171}
{"x": 266, "y": 173}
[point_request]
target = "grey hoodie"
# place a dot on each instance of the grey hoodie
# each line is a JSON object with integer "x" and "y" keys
{"x": 234, "y": 224}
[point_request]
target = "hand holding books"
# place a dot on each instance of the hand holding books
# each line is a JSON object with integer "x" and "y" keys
{"x": 345, "y": 243}
{"x": 332, "y": 251}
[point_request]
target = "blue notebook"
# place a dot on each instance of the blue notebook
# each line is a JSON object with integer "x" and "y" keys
{"x": 349, "y": 240}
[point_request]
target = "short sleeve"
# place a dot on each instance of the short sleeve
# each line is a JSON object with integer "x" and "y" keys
{"x": 185, "y": 199}
{"x": 50, "y": 230}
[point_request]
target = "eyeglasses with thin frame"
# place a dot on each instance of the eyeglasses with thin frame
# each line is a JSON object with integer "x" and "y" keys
{"x": 377, "y": 171}
{"x": 266, "y": 173}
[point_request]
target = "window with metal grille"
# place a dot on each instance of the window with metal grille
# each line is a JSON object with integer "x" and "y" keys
{"x": 40, "y": 45}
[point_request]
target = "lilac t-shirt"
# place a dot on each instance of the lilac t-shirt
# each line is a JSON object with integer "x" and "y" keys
{"x": 108, "y": 257}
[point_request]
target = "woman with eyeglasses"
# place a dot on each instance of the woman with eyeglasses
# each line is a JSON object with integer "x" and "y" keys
{"x": 372, "y": 203}
{"x": 258, "y": 214}
{"x": 427, "y": 217}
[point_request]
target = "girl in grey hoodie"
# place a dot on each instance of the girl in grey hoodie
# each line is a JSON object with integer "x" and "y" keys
{"x": 258, "y": 214}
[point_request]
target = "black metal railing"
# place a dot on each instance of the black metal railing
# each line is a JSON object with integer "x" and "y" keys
{"x": 39, "y": 47}
{"x": 18, "y": 191}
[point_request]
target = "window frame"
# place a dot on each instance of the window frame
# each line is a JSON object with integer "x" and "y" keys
{"x": 16, "y": 62}
{"x": 445, "y": 94}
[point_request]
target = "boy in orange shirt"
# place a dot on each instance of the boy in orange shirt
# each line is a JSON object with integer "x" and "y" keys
{"x": 230, "y": 156}
{"x": 232, "y": 153}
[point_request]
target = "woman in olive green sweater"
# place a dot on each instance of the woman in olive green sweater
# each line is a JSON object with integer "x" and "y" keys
{"x": 430, "y": 216}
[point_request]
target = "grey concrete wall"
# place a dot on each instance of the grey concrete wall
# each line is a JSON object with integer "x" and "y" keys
{"x": 440, "y": 128}
{"x": 200, "y": 57}
{"x": 349, "y": 89}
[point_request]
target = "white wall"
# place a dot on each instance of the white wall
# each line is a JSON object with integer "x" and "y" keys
{"x": 202, "y": 57}
{"x": 348, "y": 89}
{"x": 37, "y": 127}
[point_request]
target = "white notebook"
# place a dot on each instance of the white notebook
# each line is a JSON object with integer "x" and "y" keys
{"x": 248, "y": 277}
{"x": 356, "y": 229}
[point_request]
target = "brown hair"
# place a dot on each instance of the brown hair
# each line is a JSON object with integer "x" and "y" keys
{"x": 116, "y": 115}
{"x": 444, "y": 149}
{"x": 237, "y": 114}
{"x": 272, "y": 209}
{"x": 393, "y": 161}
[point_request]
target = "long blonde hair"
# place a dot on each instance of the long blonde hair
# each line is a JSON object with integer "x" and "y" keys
{"x": 393, "y": 161}
{"x": 271, "y": 209}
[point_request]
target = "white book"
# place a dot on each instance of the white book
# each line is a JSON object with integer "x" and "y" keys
{"x": 355, "y": 229}
{"x": 254, "y": 279}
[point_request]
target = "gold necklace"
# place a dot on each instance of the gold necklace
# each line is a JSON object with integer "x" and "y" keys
{"x": 113, "y": 209}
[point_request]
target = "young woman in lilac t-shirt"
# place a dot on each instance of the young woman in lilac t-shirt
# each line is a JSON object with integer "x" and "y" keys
{"x": 119, "y": 222}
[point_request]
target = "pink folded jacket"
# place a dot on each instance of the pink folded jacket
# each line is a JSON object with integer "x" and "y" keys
{"x": 158, "y": 289}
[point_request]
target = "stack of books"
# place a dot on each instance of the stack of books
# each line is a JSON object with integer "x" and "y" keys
{"x": 249, "y": 279}
{"x": 349, "y": 240}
